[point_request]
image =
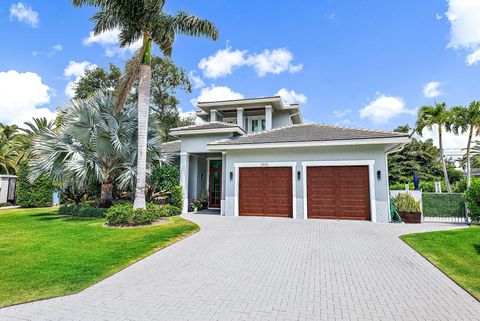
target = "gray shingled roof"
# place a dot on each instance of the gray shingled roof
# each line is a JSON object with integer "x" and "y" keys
{"x": 214, "y": 125}
{"x": 171, "y": 147}
{"x": 307, "y": 132}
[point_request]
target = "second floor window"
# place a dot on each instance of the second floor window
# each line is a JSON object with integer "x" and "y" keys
{"x": 257, "y": 125}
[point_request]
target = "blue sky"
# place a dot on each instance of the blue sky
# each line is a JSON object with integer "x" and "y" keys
{"x": 353, "y": 63}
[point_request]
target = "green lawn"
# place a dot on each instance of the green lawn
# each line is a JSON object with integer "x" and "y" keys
{"x": 43, "y": 255}
{"x": 457, "y": 253}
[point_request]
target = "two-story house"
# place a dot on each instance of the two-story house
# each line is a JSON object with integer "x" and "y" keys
{"x": 256, "y": 157}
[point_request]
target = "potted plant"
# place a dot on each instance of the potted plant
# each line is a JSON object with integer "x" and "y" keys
{"x": 408, "y": 208}
{"x": 203, "y": 198}
{"x": 196, "y": 205}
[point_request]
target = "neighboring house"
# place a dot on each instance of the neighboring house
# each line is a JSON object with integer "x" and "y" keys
{"x": 256, "y": 157}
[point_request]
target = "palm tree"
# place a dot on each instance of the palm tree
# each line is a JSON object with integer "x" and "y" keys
{"x": 440, "y": 116}
{"x": 94, "y": 143}
{"x": 9, "y": 149}
{"x": 467, "y": 119}
{"x": 32, "y": 129}
{"x": 143, "y": 19}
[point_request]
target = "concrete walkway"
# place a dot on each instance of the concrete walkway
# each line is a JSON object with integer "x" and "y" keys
{"x": 272, "y": 269}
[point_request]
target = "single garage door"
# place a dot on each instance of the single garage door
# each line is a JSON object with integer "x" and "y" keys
{"x": 265, "y": 191}
{"x": 338, "y": 192}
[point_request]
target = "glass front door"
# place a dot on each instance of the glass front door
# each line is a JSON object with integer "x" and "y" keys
{"x": 215, "y": 184}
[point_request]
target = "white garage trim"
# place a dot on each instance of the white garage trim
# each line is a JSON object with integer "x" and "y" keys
{"x": 371, "y": 177}
{"x": 237, "y": 166}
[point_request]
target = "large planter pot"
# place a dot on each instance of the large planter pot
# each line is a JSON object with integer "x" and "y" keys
{"x": 411, "y": 217}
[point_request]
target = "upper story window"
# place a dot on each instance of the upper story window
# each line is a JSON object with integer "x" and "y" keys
{"x": 257, "y": 124}
{"x": 230, "y": 120}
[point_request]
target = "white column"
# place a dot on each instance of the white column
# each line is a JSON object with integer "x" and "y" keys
{"x": 213, "y": 115}
{"x": 184, "y": 169}
{"x": 268, "y": 117}
{"x": 240, "y": 117}
{"x": 225, "y": 177}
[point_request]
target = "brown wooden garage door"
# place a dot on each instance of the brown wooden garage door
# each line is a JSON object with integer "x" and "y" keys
{"x": 265, "y": 191}
{"x": 338, "y": 192}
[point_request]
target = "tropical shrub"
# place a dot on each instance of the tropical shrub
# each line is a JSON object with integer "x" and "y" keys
{"x": 176, "y": 198}
{"x": 165, "y": 177}
{"x": 400, "y": 186}
{"x": 169, "y": 210}
{"x": 36, "y": 194}
{"x": 405, "y": 202}
{"x": 472, "y": 198}
{"x": 125, "y": 215}
{"x": 82, "y": 210}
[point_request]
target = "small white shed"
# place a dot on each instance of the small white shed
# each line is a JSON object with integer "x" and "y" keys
{"x": 8, "y": 189}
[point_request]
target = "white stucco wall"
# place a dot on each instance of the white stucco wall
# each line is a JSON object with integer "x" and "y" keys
{"x": 372, "y": 152}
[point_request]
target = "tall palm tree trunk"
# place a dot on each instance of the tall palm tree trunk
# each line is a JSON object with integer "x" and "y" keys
{"x": 469, "y": 171}
{"x": 143, "y": 111}
{"x": 444, "y": 165}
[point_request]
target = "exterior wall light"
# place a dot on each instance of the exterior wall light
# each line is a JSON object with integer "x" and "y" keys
{"x": 299, "y": 174}
{"x": 231, "y": 175}
{"x": 379, "y": 175}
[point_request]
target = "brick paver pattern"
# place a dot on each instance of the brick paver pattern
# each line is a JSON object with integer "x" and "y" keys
{"x": 239, "y": 268}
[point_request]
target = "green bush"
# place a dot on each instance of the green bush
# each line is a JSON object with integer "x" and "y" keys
{"x": 165, "y": 177}
{"x": 176, "y": 198}
{"x": 169, "y": 210}
{"x": 82, "y": 210}
{"x": 443, "y": 205}
{"x": 36, "y": 194}
{"x": 400, "y": 186}
{"x": 125, "y": 215}
{"x": 405, "y": 202}
{"x": 472, "y": 198}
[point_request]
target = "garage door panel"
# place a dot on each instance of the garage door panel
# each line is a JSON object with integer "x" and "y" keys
{"x": 265, "y": 191}
{"x": 338, "y": 192}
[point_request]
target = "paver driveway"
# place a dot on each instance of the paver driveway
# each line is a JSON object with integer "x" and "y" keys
{"x": 272, "y": 269}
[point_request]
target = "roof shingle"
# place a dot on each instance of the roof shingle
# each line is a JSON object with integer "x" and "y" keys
{"x": 306, "y": 133}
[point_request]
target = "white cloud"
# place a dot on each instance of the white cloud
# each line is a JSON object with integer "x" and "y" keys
{"x": 273, "y": 62}
{"x": 225, "y": 61}
{"x": 222, "y": 63}
{"x": 340, "y": 113}
{"x": 431, "y": 90}
{"x": 196, "y": 81}
{"x": 453, "y": 144}
{"x": 291, "y": 97}
{"x": 24, "y": 13}
{"x": 438, "y": 16}
{"x": 465, "y": 30}
{"x": 75, "y": 70}
{"x": 21, "y": 97}
{"x": 108, "y": 40}
{"x": 473, "y": 58}
{"x": 216, "y": 93}
{"x": 57, "y": 47}
{"x": 384, "y": 108}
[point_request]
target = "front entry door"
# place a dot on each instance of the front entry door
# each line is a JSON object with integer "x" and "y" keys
{"x": 215, "y": 183}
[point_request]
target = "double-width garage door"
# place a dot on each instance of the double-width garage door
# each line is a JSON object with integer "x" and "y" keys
{"x": 333, "y": 192}
{"x": 265, "y": 191}
{"x": 338, "y": 192}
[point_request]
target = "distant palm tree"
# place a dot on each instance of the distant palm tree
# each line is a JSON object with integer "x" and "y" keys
{"x": 143, "y": 19}
{"x": 440, "y": 116}
{"x": 29, "y": 133}
{"x": 467, "y": 119}
{"x": 9, "y": 149}
{"x": 94, "y": 143}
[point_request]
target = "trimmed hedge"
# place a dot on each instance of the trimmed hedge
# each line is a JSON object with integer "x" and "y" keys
{"x": 125, "y": 215}
{"x": 36, "y": 194}
{"x": 443, "y": 205}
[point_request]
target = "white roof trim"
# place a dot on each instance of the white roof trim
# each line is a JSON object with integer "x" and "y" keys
{"x": 207, "y": 131}
{"x": 346, "y": 142}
